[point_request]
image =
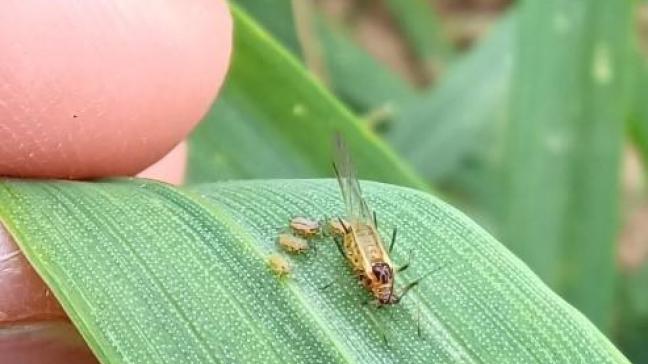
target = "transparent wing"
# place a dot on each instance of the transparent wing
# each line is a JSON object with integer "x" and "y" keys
{"x": 356, "y": 207}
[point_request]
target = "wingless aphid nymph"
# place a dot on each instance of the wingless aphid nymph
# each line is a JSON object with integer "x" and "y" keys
{"x": 292, "y": 244}
{"x": 279, "y": 265}
{"x": 305, "y": 227}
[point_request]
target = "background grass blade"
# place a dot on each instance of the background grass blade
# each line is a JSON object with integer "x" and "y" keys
{"x": 277, "y": 18}
{"x": 639, "y": 109}
{"x": 439, "y": 130}
{"x": 357, "y": 78}
{"x": 151, "y": 274}
{"x": 418, "y": 21}
{"x": 564, "y": 144}
{"x": 280, "y": 123}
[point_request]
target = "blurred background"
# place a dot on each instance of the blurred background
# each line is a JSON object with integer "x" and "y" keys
{"x": 530, "y": 116}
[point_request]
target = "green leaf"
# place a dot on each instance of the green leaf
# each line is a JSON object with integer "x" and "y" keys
{"x": 277, "y": 18}
{"x": 273, "y": 119}
{"x": 438, "y": 130}
{"x": 421, "y": 27}
{"x": 357, "y": 77}
{"x": 633, "y": 316}
{"x": 153, "y": 274}
{"x": 563, "y": 146}
{"x": 639, "y": 107}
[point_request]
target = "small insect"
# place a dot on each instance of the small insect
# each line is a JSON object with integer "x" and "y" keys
{"x": 279, "y": 265}
{"x": 305, "y": 227}
{"x": 360, "y": 243}
{"x": 292, "y": 244}
{"x": 335, "y": 227}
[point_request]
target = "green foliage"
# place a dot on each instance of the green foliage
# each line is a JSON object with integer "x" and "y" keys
{"x": 358, "y": 79}
{"x": 421, "y": 27}
{"x": 639, "y": 106}
{"x": 280, "y": 123}
{"x": 153, "y": 274}
{"x": 524, "y": 131}
{"x": 442, "y": 127}
{"x": 563, "y": 146}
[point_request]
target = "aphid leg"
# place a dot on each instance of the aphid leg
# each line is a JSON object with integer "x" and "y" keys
{"x": 406, "y": 265}
{"x": 324, "y": 231}
{"x": 415, "y": 283}
{"x": 338, "y": 244}
{"x": 314, "y": 245}
{"x": 375, "y": 219}
{"x": 379, "y": 325}
{"x": 329, "y": 284}
{"x": 418, "y": 319}
{"x": 393, "y": 241}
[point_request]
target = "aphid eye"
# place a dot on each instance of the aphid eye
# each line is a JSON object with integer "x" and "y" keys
{"x": 382, "y": 272}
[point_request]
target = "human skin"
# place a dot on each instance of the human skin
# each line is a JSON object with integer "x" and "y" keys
{"x": 33, "y": 325}
{"x": 113, "y": 89}
{"x": 104, "y": 88}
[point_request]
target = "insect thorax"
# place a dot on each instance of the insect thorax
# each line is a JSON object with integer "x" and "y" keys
{"x": 369, "y": 241}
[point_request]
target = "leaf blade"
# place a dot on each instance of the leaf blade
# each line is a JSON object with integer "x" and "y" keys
{"x": 274, "y": 120}
{"x": 180, "y": 275}
{"x": 563, "y": 153}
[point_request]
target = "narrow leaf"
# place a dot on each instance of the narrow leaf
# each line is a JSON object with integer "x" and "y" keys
{"x": 438, "y": 130}
{"x": 273, "y": 119}
{"x": 152, "y": 274}
{"x": 357, "y": 77}
{"x": 564, "y": 143}
{"x": 277, "y": 18}
{"x": 421, "y": 27}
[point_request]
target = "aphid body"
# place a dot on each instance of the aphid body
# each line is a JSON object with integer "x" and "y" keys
{"x": 305, "y": 227}
{"x": 279, "y": 265}
{"x": 362, "y": 245}
{"x": 292, "y": 244}
{"x": 335, "y": 227}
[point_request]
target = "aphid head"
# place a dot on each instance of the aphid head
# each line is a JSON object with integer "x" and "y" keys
{"x": 389, "y": 298}
{"x": 383, "y": 272}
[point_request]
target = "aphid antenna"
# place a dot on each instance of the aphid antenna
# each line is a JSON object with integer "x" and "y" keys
{"x": 314, "y": 245}
{"x": 324, "y": 233}
{"x": 393, "y": 240}
{"x": 406, "y": 265}
{"x": 338, "y": 244}
{"x": 329, "y": 284}
{"x": 416, "y": 282}
{"x": 375, "y": 219}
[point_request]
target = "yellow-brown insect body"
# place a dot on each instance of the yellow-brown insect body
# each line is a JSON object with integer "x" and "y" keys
{"x": 371, "y": 263}
{"x": 279, "y": 265}
{"x": 334, "y": 227}
{"x": 362, "y": 245}
{"x": 292, "y": 244}
{"x": 305, "y": 227}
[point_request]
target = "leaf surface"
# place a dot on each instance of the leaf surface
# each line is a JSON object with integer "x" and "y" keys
{"x": 153, "y": 274}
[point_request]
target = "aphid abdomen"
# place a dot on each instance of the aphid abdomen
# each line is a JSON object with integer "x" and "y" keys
{"x": 279, "y": 265}
{"x": 292, "y": 244}
{"x": 369, "y": 243}
{"x": 305, "y": 227}
{"x": 335, "y": 228}
{"x": 353, "y": 253}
